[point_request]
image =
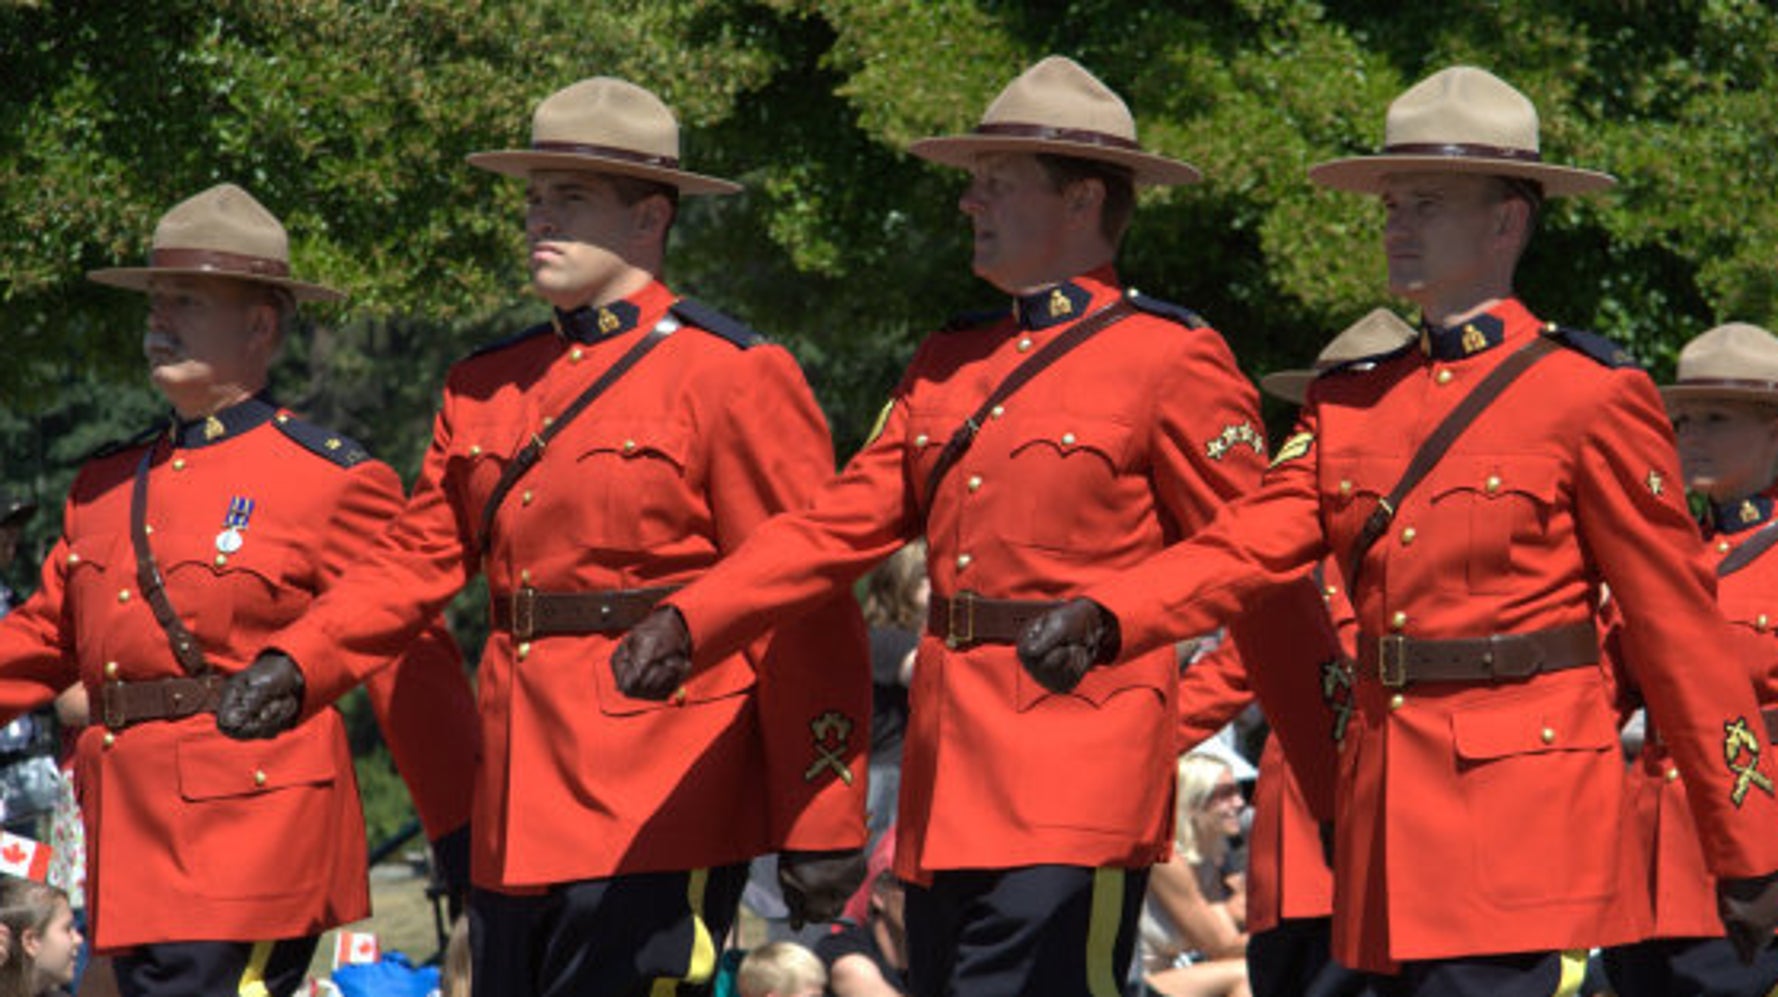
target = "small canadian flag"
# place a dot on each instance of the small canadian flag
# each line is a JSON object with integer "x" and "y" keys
{"x": 355, "y": 948}
{"x": 24, "y": 857}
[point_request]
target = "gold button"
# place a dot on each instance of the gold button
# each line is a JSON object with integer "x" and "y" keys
{"x": 123, "y": 596}
{"x": 525, "y": 576}
{"x": 146, "y": 528}
{"x": 1444, "y": 377}
{"x": 526, "y": 498}
{"x": 1548, "y": 734}
{"x": 110, "y": 669}
{"x": 1492, "y": 484}
{"x": 283, "y": 417}
{"x": 921, "y": 440}
{"x": 1397, "y": 701}
{"x": 629, "y": 446}
{"x": 1672, "y": 774}
{"x": 524, "y": 650}
{"x": 110, "y": 739}
{"x": 1333, "y": 590}
{"x": 1345, "y": 486}
{"x": 221, "y": 559}
{"x": 575, "y": 354}
{"x": 1399, "y": 620}
{"x": 548, "y": 421}
{"x": 997, "y": 411}
{"x": 1067, "y": 439}
{"x": 1761, "y": 622}
{"x": 1408, "y": 533}
{"x": 259, "y": 777}
{"x": 1722, "y": 546}
{"x": 475, "y": 450}
{"x": 179, "y": 463}
{"x": 1024, "y": 344}
{"x": 73, "y": 558}
{"x": 963, "y": 561}
{"x": 679, "y": 696}
{"x": 975, "y": 482}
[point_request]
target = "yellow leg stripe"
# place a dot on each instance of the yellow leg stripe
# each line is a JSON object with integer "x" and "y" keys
{"x": 253, "y": 977}
{"x": 1108, "y": 911}
{"x": 702, "y": 965}
{"x": 1772, "y": 992}
{"x": 1574, "y": 968}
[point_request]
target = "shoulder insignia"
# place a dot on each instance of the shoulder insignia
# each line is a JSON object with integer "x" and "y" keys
{"x": 321, "y": 441}
{"x": 1297, "y": 446}
{"x": 1166, "y": 309}
{"x": 1593, "y": 345}
{"x": 518, "y": 337}
{"x": 113, "y": 447}
{"x": 964, "y": 321}
{"x": 696, "y": 313}
{"x": 1358, "y": 365}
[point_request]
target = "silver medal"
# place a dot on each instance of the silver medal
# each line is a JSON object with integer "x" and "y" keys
{"x": 229, "y": 540}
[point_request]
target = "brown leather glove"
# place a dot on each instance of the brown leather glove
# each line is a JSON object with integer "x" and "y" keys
{"x": 654, "y": 658}
{"x": 263, "y": 700}
{"x": 1058, "y": 647}
{"x": 1749, "y": 910}
{"x": 816, "y": 885}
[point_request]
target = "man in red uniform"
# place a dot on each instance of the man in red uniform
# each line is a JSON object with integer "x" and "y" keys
{"x": 1481, "y": 816}
{"x": 1028, "y": 820}
{"x": 214, "y": 865}
{"x": 1725, "y": 414}
{"x": 612, "y": 835}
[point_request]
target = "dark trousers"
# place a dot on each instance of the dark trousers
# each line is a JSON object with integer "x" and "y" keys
{"x": 1688, "y": 967}
{"x": 214, "y": 969}
{"x": 1033, "y": 931}
{"x": 1293, "y": 960}
{"x": 613, "y": 937}
{"x": 1528, "y": 974}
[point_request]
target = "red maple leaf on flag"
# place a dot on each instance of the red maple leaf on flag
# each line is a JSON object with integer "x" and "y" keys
{"x": 12, "y": 853}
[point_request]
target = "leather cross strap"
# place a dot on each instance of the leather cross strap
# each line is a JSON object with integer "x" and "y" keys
{"x": 1749, "y": 551}
{"x": 967, "y": 619}
{"x": 1770, "y": 715}
{"x": 123, "y": 704}
{"x": 186, "y": 649}
{"x": 529, "y": 454}
{"x": 964, "y": 437}
{"x": 529, "y": 613}
{"x": 1400, "y": 659}
{"x": 1430, "y": 452}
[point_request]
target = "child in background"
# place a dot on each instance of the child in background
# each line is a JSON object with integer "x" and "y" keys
{"x": 45, "y": 941}
{"x": 781, "y": 969}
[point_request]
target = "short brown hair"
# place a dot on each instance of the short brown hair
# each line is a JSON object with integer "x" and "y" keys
{"x": 1119, "y": 183}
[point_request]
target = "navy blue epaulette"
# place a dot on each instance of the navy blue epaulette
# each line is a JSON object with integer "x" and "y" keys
{"x": 1166, "y": 309}
{"x": 518, "y": 337}
{"x": 702, "y": 316}
{"x": 114, "y": 447}
{"x": 335, "y": 447}
{"x": 963, "y": 321}
{"x": 1592, "y": 344}
{"x": 1358, "y": 365}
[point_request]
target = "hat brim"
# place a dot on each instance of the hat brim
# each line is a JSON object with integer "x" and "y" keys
{"x": 521, "y": 163}
{"x": 139, "y": 279}
{"x": 1148, "y": 169}
{"x": 1290, "y": 385}
{"x": 1671, "y": 393}
{"x": 1365, "y": 174}
{"x": 18, "y": 513}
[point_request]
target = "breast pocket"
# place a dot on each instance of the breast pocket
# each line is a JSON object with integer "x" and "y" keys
{"x": 1062, "y": 479}
{"x": 633, "y": 473}
{"x": 1483, "y": 509}
{"x": 476, "y": 459}
{"x": 261, "y": 584}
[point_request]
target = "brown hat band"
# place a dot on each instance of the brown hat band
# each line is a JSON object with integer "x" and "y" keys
{"x": 212, "y": 259}
{"x": 1081, "y": 135}
{"x": 1727, "y": 382}
{"x": 608, "y": 152}
{"x": 1467, "y": 150}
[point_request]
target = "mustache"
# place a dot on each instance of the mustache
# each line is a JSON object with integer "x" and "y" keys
{"x": 159, "y": 342}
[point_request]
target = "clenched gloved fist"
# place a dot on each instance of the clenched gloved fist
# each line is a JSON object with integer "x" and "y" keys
{"x": 817, "y": 885}
{"x": 263, "y": 700}
{"x": 655, "y": 656}
{"x": 1058, "y": 647}
{"x": 1749, "y": 910}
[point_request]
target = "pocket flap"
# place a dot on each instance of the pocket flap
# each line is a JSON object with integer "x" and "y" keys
{"x": 729, "y": 677}
{"x": 1067, "y": 434}
{"x": 1496, "y": 477}
{"x": 1574, "y": 718}
{"x": 214, "y": 767}
{"x": 96, "y": 550}
{"x": 632, "y": 438}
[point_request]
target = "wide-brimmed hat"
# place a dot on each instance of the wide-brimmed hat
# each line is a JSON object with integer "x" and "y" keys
{"x": 1059, "y": 108}
{"x": 222, "y": 232}
{"x": 1459, "y": 120}
{"x": 1733, "y": 362}
{"x": 605, "y": 125}
{"x": 1378, "y": 332}
{"x": 15, "y": 508}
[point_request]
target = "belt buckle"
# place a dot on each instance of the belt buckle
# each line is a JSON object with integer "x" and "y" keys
{"x": 960, "y": 627}
{"x": 111, "y": 706}
{"x": 1392, "y": 669}
{"x": 524, "y": 612}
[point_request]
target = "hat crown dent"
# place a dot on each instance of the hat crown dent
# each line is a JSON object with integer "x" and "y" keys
{"x": 1060, "y": 93}
{"x": 606, "y": 111}
{"x": 1378, "y": 332}
{"x": 1463, "y": 105}
{"x": 1736, "y": 351}
{"x": 224, "y": 219}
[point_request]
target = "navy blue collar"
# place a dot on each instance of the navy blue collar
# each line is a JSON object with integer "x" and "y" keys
{"x": 224, "y": 425}
{"x": 1466, "y": 339}
{"x": 1063, "y": 303}
{"x": 589, "y": 324}
{"x": 1740, "y": 514}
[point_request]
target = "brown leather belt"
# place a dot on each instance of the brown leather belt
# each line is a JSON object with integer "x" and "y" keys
{"x": 529, "y": 613}
{"x": 122, "y": 704}
{"x": 966, "y": 618}
{"x": 1399, "y": 659}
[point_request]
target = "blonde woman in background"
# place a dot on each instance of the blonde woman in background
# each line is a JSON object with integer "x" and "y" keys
{"x": 1193, "y": 931}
